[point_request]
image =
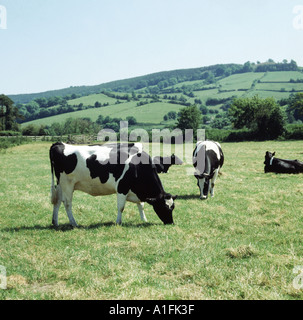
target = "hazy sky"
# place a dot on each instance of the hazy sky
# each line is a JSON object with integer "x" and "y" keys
{"x": 52, "y": 44}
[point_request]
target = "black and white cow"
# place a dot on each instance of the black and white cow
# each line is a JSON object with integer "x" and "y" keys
{"x": 164, "y": 163}
{"x": 277, "y": 165}
{"x": 208, "y": 159}
{"x": 124, "y": 169}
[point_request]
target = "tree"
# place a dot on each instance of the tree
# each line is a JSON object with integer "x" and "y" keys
{"x": 203, "y": 109}
{"x": 98, "y": 104}
{"x": 32, "y": 107}
{"x": 42, "y": 102}
{"x": 172, "y": 115}
{"x": 295, "y": 106}
{"x": 189, "y": 118}
{"x": 264, "y": 117}
{"x": 8, "y": 114}
{"x": 131, "y": 120}
{"x": 247, "y": 67}
{"x": 30, "y": 130}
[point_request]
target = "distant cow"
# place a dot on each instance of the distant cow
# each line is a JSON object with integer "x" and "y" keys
{"x": 208, "y": 159}
{"x": 276, "y": 165}
{"x": 163, "y": 163}
{"x": 124, "y": 169}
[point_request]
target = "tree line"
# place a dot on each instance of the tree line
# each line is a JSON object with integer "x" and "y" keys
{"x": 259, "y": 118}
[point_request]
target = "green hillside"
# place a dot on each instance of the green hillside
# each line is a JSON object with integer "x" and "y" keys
{"x": 148, "y": 108}
{"x": 150, "y": 98}
{"x": 152, "y": 113}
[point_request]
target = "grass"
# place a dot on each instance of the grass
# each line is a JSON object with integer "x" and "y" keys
{"x": 240, "y": 81}
{"x": 242, "y": 244}
{"x": 279, "y": 86}
{"x": 91, "y": 99}
{"x": 282, "y": 76}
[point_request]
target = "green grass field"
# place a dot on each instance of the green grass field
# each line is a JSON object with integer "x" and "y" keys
{"x": 149, "y": 113}
{"x": 240, "y": 81}
{"x": 242, "y": 244}
{"x": 282, "y": 76}
{"x": 280, "y": 86}
{"x": 91, "y": 99}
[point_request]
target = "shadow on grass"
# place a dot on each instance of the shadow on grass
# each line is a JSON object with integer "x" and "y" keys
{"x": 67, "y": 227}
{"x": 188, "y": 197}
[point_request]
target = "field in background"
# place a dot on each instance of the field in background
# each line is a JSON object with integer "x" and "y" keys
{"x": 269, "y": 84}
{"x": 242, "y": 244}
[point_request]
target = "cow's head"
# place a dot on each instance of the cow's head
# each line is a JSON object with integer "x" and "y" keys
{"x": 203, "y": 182}
{"x": 163, "y": 206}
{"x": 268, "y": 157}
{"x": 176, "y": 160}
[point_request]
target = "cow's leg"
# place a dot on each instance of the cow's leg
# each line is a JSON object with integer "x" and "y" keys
{"x": 56, "y": 200}
{"x": 212, "y": 183}
{"x": 55, "y": 220}
{"x": 67, "y": 198}
{"x": 201, "y": 187}
{"x": 68, "y": 208}
{"x": 142, "y": 214}
{"x": 204, "y": 188}
{"x": 121, "y": 200}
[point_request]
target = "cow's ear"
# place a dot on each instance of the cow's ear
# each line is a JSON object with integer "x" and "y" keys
{"x": 174, "y": 197}
{"x": 274, "y": 153}
{"x": 151, "y": 201}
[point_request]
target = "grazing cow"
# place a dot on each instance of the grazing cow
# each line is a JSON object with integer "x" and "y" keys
{"x": 163, "y": 163}
{"x": 208, "y": 158}
{"x": 124, "y": 169}
{"x": 276, "y": 165}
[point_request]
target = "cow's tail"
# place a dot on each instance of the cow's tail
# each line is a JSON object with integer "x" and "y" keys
{"x": 55, "y": 189}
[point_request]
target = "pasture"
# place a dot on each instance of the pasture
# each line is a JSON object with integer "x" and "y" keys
{"x": 242, "y": 244}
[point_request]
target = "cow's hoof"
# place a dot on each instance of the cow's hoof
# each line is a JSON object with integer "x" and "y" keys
{"x": 55, "y": 224}
{"x": 203, "y": 197}
{"x": 74, "y": 225}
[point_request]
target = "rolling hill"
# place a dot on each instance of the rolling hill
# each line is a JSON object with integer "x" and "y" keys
{"x": 149, "y": 98}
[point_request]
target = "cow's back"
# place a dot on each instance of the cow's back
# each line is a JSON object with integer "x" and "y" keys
{"x": 207, "y": 156}
{"x": 96, "y": 169}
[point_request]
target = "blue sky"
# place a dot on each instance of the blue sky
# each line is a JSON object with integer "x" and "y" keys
{"x": 54, "y": 44}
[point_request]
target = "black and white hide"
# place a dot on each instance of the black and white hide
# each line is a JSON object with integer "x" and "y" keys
{"x": 208, "y": 159}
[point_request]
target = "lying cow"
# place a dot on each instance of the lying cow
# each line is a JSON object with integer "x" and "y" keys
{"x": 103, "y": 170}
{"x": 276, "y": 165}
{"x": 208, "y": 159}
{"x": 163, "y": 163}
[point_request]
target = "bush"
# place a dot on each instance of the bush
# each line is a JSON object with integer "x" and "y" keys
{"x": 6, "y": 143}
{"x": 10, "y": 133}
{"x": 294, "y": 132}
{"x": 226, "y": 135}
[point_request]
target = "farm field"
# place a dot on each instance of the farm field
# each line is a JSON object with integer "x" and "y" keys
{"x": 279, "y": 86}
{"x": 242, "y": 244}
{"x": 279, "y": 76}
{"x": 91, "y": 99}
{"x": 273, "y": 84}
{"x": 240, "y": 81}
{"x": 149, "y": 113}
